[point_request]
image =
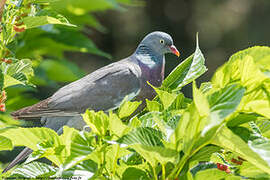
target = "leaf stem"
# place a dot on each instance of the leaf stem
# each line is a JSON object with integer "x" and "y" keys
{"x": 155, "y": 173}
{"x": 163, "y": 172}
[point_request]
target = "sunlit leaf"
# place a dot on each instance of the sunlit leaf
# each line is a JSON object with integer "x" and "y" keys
{"x": 189, "y": 70}
{"x": 127, "y": 108}
{"x": 228, "y": 140}
{"x": 5, "y": 143}
{"x": 34, "y": 170}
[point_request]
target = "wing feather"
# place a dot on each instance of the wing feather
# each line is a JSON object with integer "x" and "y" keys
{"x": 103, "y": 89}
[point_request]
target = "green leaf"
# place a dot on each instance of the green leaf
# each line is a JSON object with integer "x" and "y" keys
{"x": 241, "y": 119}
{"x": 142, "y": 135}
{"x": 228, "y": 140}
{"x": 133, "y": 173}
{"x": 223, "y": 103}
{"x": 10, "y": 81}
{"x": 247, "y": 66}
{"x": 249, "y": 170}
{"x": 44, "y": 141}
{"x": 5, "y": 143}
{"x": 153, "y": 105}
{"x": 205, "y": 153}
{"x": 80, "y": 148}
{"x": 86, "y": 168}
{"x": 156, "y": 154}
{"x": 127, "y": 108}
{"x": 36, "y": 21}
{"x": 210, "y": 174}
{"x": 189, "y": 70}
{"x": 19, "y": 72}
{"x": 117, "y": 127}
{"x": 81, "y": 7}
{"x": 97, "y": 121}
{"x": 166, "y": 98}
{"x": 68, "y": 71}
{"x": 30, "y": 137}
{"x": 34, "y": 170}
{"x": 200, "y": 102}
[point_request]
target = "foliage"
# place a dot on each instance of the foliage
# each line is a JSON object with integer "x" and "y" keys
{"x": 35, "y": 34}
{"x": 222, "y": 133}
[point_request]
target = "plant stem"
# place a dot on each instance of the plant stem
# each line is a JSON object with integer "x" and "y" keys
{"x": 155, "y": 173}
{"x": 163, "y": 172}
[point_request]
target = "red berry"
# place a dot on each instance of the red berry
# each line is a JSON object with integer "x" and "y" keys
{"x": 17, "y": 29}
{"x": 228, "y": 171}
{"x": 222, "y": 167}
{"x": 2, "y": 107}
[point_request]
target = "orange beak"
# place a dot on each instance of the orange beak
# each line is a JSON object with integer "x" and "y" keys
{"x": 174, "y": 50}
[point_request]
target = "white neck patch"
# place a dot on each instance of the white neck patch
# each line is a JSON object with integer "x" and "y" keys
{"x": 147, "y": 60}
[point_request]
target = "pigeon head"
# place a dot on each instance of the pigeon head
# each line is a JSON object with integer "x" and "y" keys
{"x": 158, "y": 42}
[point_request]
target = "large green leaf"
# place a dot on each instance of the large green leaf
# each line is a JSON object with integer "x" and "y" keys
{"x": 31, "y": 137}
{"x": 33, "y": 170}
{"x": 249, "y": 170}
{"x": 200, "y": 102}
{"x": 228, "y": 140}
{"x": 79, "y": 145}
{"x": 117, "y": 127}
{"x": 189, "y": 70}
{"x": 61, "y": 71}
{"x": 156, "y": 154}
{"x": 165, "y": 97}
{"x": 223, "y": 103}
{"x": 5, "y": 143}
{"x": 44, "y": 141}
{"x": 54, "y": 40}
{"x": 18, "y": 72}
{"x": 36, "y": 21}
{"x": 143, "y": 135}
{"x": 81, "y": 7}
{"x": 127, "y": 108}
{"x": 97, "y": 121}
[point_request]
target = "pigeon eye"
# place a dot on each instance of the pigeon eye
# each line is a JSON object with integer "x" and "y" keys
{"x": 161, "y": 41}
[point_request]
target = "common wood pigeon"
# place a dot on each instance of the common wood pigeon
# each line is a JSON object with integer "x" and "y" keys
{"x": 103, "y": 89}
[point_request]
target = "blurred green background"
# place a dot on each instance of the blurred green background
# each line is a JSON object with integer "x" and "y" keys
{"x": 109, "y": 30}
{"x": 224, "y": 26}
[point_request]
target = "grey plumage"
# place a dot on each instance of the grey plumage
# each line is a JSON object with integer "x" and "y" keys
{"x": 105, "y": 88}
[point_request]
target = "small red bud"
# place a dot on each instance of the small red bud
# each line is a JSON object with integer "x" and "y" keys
{"x": 19, "y": 23}
{"x": 222, "y": 167}
{"x": 236, "y": 161}
{"x": 8, "y": 61}
{"x": 18, "y": 29}
{"x": 228, "y": 171}
{"x": 24, "y": 14}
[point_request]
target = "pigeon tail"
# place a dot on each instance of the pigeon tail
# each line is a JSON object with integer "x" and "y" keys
{"x": 24, "y": 154}
{"x": 32, "y": 112}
